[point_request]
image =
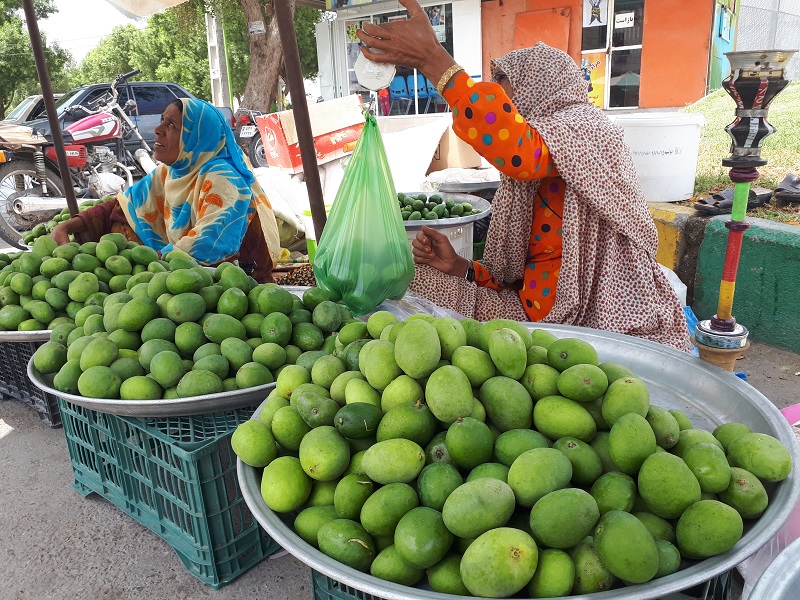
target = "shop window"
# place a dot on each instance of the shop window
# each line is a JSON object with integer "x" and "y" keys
{"x": 624, "y": 82}
{"x": 612, "y": 51}
{"x": 595, "y": 25}
{"x": 628, "y": 23}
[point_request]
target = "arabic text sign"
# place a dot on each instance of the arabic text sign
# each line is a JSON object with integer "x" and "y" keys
{"x": 623, "y": 20}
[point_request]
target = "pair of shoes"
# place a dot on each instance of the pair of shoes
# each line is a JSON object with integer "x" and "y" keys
{"x": 788, "y": 190}
{"x": 721, "y": 203}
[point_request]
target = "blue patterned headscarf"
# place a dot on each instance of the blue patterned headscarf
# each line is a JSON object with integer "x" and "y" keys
{"x": 204, "y": 201}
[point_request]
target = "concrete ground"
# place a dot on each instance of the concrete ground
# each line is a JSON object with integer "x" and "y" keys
{"x": 57, "y": 545}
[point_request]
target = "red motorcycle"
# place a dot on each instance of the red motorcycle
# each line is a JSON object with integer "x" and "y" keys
{"x": 31, "y": 188}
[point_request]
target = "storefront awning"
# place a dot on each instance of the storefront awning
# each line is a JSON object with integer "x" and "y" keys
{"x": 343, "y": 4}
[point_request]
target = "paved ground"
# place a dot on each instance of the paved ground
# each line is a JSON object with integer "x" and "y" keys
{"x": 57, "y": 545}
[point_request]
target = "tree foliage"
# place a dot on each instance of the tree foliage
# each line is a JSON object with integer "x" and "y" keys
{"x": 13, "y": 8}
{"x": 17, "y": 64}
{"x": 173, "y": 47}
{"x": 114, "y": 55}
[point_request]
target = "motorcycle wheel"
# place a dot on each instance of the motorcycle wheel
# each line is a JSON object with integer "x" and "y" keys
{"x": 19, "y": 177}
{"x": 256, "y": 151}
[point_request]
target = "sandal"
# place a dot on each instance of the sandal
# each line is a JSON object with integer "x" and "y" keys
{"x": 788, "y": 190}
{"x": 721, "y": 203}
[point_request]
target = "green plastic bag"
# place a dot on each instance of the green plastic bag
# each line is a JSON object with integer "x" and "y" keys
{"x": 364, "y": 255}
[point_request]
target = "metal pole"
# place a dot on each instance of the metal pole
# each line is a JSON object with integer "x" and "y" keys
{"x": 294, "y": 79}
{"x": 50, "y": 105}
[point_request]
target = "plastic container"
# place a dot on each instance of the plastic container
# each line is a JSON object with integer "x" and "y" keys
{"x": 177, "y": 477}
{"x": 14, "y": 382}
{"x": 325, "y": 588}
{"x": 460, "y": 231}
{"x": 665, "y": 147}
{"x": 460, "y": 236}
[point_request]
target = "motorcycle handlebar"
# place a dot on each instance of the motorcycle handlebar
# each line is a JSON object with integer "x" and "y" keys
{"x": 125, "y": 76}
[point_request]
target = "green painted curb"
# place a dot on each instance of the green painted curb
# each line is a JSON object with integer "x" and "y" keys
{"x": 767, "y": 299}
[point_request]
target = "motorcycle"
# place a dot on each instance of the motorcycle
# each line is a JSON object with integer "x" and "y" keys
{"x": 250, "y": 137}
{"x": 31, "y": 188}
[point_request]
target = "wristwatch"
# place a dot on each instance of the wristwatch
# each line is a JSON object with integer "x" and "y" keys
{"x": 470, "y": 274}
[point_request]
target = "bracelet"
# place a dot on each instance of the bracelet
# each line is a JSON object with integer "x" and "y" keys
{"x": 470, "y": 274}
{"x": 447, "y": 76}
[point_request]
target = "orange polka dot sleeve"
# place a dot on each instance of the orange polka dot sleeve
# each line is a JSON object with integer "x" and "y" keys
{"x": 484, "y": 117}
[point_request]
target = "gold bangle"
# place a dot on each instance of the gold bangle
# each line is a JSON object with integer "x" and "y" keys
{"x": 447, "y": 76}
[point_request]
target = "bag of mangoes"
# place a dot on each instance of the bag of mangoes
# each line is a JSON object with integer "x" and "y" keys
{"x": 363, "y": 254}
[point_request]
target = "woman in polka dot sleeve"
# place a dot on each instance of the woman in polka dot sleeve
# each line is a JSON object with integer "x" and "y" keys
{"x": 571, "y": 238}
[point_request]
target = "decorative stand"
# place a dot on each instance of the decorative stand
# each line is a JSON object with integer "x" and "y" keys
{"x": 755, "y": 79}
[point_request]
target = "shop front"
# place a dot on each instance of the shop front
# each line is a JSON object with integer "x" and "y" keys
{"x": 633, "y": 53}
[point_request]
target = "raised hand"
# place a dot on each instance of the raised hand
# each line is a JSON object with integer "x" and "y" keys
{"x": 411, "y": 43}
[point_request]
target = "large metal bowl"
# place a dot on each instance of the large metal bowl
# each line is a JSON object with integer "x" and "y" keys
{"x": 477, "y": 202}
{"x": 781, "y": 579}
{"x": 177, "y": 407}
{"x": 25, "y": 336}
{"x": 706, "y": 393}
{"x": 196, "y": 405}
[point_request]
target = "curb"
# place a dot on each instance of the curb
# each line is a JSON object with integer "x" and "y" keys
{"x": 768, "y": 280}
{"x": 680, "y": 233}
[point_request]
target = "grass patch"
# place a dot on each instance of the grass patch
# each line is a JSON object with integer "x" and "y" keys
{"x": 781, "y": 149}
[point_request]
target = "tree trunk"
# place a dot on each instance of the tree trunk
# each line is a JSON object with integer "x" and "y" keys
{"x": 266, "y": 56}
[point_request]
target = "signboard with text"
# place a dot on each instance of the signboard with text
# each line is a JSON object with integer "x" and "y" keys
{"x": 593, "y": 67}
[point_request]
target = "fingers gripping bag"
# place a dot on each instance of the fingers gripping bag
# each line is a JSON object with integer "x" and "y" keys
{"x": 363, "y": 254}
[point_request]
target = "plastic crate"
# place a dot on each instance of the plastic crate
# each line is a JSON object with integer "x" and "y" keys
{"x": 14, "y": 382}
{"x": 325, "y": 588}
{"x": 177, "y": 477}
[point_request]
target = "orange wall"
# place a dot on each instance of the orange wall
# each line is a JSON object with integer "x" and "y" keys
{"x": 675, "y": 52}
{"x": 497, "y": 26}
{"x": 675, "y": 48}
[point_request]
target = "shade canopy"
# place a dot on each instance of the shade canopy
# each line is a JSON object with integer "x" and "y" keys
{"x": 143, "y": 8}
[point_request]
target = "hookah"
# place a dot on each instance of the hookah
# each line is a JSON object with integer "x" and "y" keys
{"x": 756, "y": 78}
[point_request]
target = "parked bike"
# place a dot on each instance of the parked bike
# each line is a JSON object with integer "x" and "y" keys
{"x": 31, "y": 188}
{"x": 249, "y": 137}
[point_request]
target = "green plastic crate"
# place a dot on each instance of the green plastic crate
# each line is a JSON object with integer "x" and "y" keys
{"x": 14, "y": 382}
{"x": 325, "y": 588}
{"x": 177, "y": 477}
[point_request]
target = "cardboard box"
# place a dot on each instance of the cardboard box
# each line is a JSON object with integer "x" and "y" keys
{"x": 451, "y": 152}
{"x": 334, "y": 124}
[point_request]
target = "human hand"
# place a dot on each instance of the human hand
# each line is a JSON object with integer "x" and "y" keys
{"x": 61, "y": 233}
{"x": 434, "y": 249}
{"x": 411, "y": 43}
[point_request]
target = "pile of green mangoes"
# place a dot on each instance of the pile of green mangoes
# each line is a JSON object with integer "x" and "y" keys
{"x": 492, "y": 460}
{"x": 46, "y": 228}
{"x": 172, "y": 329}
{"x": 416, "y": 207}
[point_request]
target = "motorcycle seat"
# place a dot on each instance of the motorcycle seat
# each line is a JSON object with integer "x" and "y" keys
{"x": 48, "y": 135}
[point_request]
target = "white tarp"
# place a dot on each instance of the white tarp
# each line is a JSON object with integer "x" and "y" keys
{"x": 142, "y": 8}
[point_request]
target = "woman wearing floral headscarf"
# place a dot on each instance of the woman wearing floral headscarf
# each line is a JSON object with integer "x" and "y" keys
{"x": 571, "y": 239}
{"x": 203, "y": 198}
